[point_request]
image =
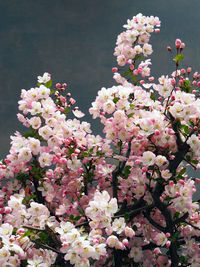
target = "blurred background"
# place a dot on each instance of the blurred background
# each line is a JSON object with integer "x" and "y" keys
{"x": 74, "y": 40}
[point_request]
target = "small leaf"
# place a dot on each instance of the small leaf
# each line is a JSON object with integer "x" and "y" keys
{"x": 130, "y": 115}
{"x": 185, "y": 128}
{"x": 48, "y": 84}
{"x": 71, "y": 217}
{"x": 176, "y": 215}
{"x": 27, "y": 233}
{"x": 126, "y": 73}
{"x": 119, "y": 144}
{"x": 127, "y": 216}
{"x": 77, "y": 218}
{"x": 26, "y": 135}
{"x": 194, "y": 161}
{"x": 134, "y": 227}
{"x": 152, "y": 96}
{"x": 115, "y": 99}
{"x": 178, "y": 58}
{"x": 132, "y": 106}
{"x": 182, "y": 171}
{"x": 137, "y": 57}
{"x": 43, "y": 236}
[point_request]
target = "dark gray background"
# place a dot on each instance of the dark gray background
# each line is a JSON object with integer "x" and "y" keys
{"x": 74, "y": 41}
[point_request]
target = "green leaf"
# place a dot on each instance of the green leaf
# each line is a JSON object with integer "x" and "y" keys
{"x": 67, "y": 110}
{"x": 115, "y": 99}
{"x": 43, "y": 236}
{"x": 152, "y": 96}
{"x": 127, "y": 216}
{"x": 134, "y": 227}
{"x": 176, "y": 235}
{"x": 194, "y": 161}
{"x": 127, "y": 171}
{"x": 71, "y": 217}
{"x": 177, "y": 58}
{"x": 182, "y": 260}
{"x": 130, "y": 115}
{"x": 14, "y": 231}
{"x": 176, "y": 215}
{"x": 77, "y": 218}
{"x": 26, "y": 135}
{"x": 185, "y": 129}
{"x": 119, "y": 144}
{"x": 48, "y": 84}
{"x": 126, "y": 73}
{"x": 182, "y": 172}
{"x": 27, "y": 233}
{"x": 137, "y": 57}
{"x": 188, "y": 157}
{"x": 25, "y": 201}
{"x": 132, "y": 106}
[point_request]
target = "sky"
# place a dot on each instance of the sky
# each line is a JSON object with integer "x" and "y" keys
{"x": 74, "y": 40}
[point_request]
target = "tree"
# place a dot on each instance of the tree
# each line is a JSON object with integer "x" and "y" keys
{"x": 75, "y": 199}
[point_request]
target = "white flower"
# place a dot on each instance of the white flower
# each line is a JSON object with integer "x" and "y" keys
{"x": 45, "y": 78}
{"x": 112, "y": 241}
{"x": 6, "y": 229}
{"x": 161, "y": 239}
{"x": 119, "y": 225}
{"x": 25, "y": 154}
{"x": 45, "y": 159}
{"x": 78, "y": 113}
{"x": 136, "y": 253}
{"x": 148, "y": 158}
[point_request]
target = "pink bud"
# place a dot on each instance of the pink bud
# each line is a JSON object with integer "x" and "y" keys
{"x": 109, "y": 230}
{"x": 183, "y": 71}
{"x": 198, "y": 84}
{"x": 157, "y": 30}
{"x": 195, "y": 128}
{"x": 125, "y": 242}
{"x": 58, "y": 85}
{"x": 169, "y": 48}
{"x": 194, "y": 83}
{"x": 197, "y": 180}
{"x": 168, "y": 235}
{"x": 157, "y": 251}
{"x": 173, "y": 81}
{"x": 8, "y": 210}
{"x": 178, "y": 43}
{"x": 131, "y": 67}
{"x": 151, "y": 79}
{"x": 137, "y": 162}
{"x": 115, "y": 69}
{"x": 135, "y": 72}
{"x": 182, "y": 45}
{"x": 168, "y": 243}
{"x": 157, "y": 132}
{"x": 72, "y": 101}
{"x": 195, "y": 75}
{"x": 189, "y": 69}
{"x": 4, "y": 189}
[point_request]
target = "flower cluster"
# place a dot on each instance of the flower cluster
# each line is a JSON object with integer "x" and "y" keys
{"x": 69, "y": 197}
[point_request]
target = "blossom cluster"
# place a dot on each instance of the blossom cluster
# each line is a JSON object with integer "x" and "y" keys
{"x": 71, "y": 197}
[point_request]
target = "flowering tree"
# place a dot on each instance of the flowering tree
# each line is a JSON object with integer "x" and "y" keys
{"x": 75, "y": 199}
